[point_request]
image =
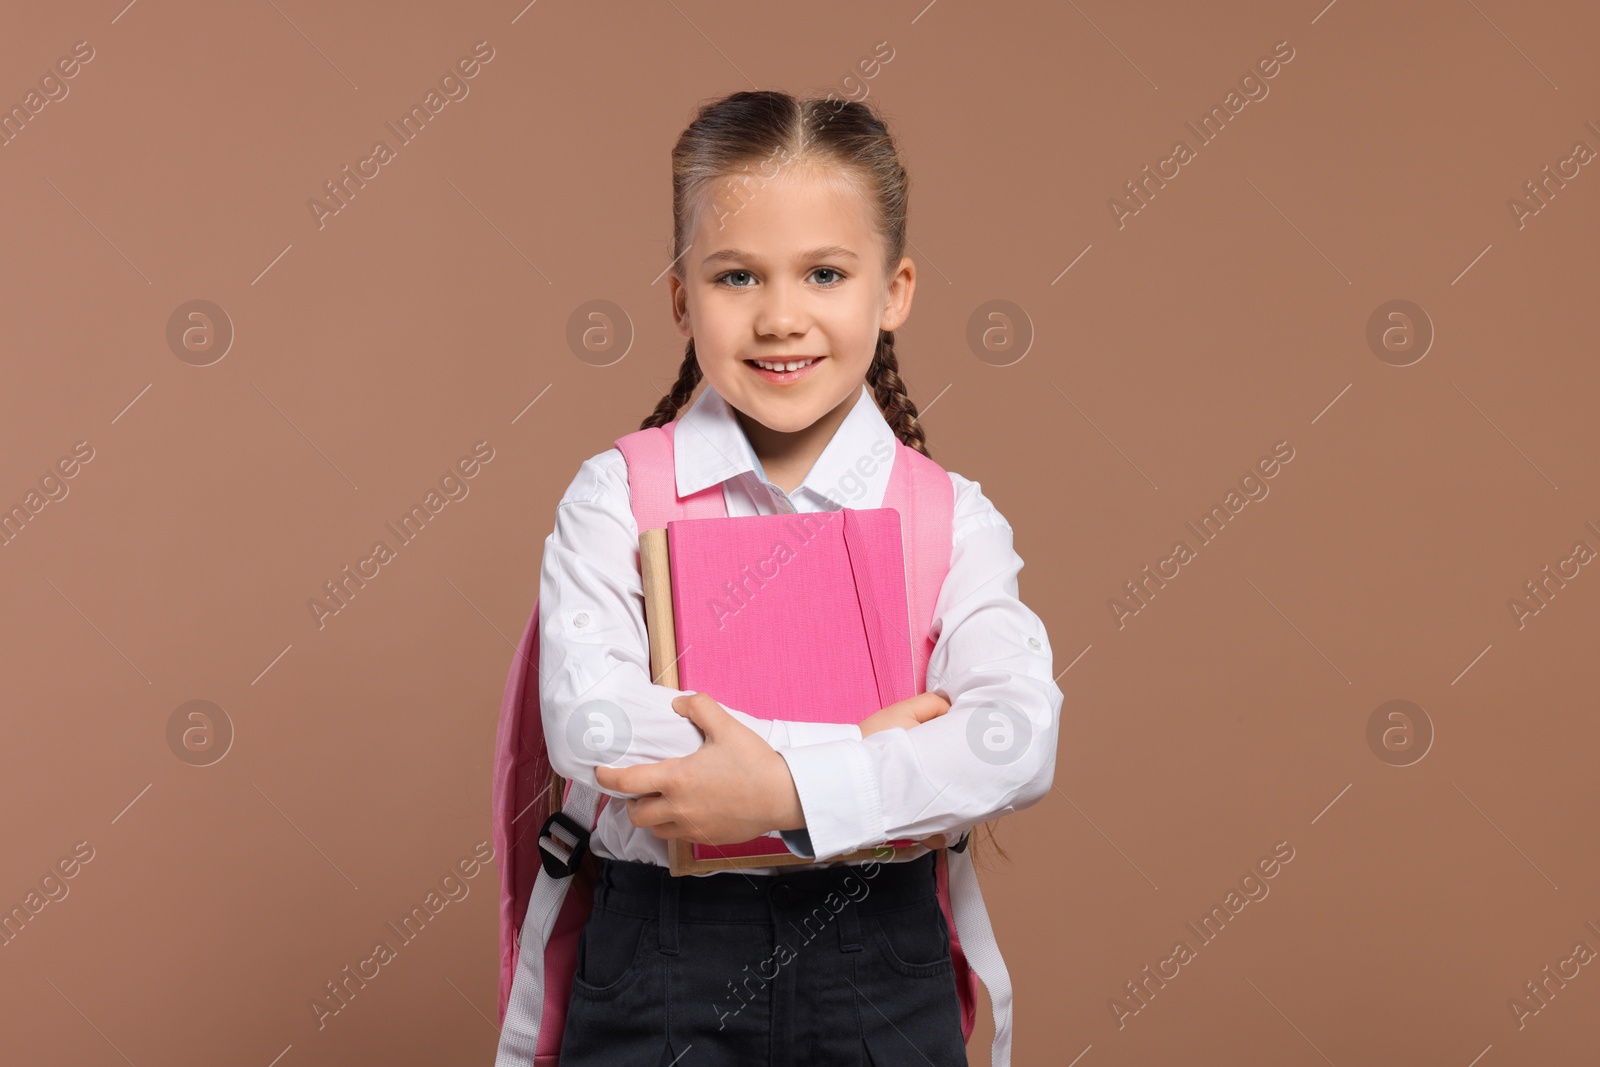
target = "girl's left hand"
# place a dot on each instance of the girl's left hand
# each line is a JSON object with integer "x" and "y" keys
{"x": 733, "y": 788}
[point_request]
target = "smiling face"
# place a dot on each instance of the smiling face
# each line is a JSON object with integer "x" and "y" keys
{"x": 795, "y": 271}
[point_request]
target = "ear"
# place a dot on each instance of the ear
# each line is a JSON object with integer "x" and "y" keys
{"x": 678, "y": 294}
{"x": 897, "y": 300}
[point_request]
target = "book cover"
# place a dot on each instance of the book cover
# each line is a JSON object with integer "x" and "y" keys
{"x": 799, "y": 616}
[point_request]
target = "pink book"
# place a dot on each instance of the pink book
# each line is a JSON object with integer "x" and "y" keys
{"x": 790, "y": 616}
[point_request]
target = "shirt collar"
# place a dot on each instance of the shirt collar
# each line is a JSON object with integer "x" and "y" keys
{"x": 709, "y": 447}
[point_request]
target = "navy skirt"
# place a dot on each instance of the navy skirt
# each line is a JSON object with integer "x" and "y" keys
{"x": 848, "y": 966}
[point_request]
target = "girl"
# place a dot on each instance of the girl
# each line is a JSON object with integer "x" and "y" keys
{"x": 788, "y": 280}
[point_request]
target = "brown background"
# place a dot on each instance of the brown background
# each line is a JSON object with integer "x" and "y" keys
{"x": 1229, "y": 314}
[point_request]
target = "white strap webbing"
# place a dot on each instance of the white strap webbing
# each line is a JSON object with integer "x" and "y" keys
{"x": 982, "y": 951}
{"x": 519, "y": 1033}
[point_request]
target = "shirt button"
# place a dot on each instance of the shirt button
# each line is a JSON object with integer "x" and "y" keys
{"x": 581, "y": 619}
{"x": 1033, "y": 642}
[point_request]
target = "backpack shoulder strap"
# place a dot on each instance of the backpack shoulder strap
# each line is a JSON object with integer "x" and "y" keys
{"x": 521, "y": 772}
{"x": 963, "y": 906}
{"x": 923, "y": 493}
{"x": 535, "y": 907}
{"x": 653, "y": 481}
{"x": 920, "y": 490}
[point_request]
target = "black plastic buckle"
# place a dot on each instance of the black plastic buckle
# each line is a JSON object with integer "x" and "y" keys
{"x": 961, "y": 846}
{"x": 554, "y": 866}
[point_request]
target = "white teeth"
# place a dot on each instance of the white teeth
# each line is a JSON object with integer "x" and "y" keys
{"x": 792, "y": 365}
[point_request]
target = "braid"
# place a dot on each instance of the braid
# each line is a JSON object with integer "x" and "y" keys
{"x": 890, "y": 393}
{"x": 682, "y": 390}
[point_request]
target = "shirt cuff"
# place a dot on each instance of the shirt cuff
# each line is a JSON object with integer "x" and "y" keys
{"x": 815, "y": 733}
{"x": 837, "y": 783}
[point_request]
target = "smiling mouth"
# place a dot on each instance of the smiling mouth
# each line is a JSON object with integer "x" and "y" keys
{"x": 784, "y": 371}
{"x": 798, "y": 363}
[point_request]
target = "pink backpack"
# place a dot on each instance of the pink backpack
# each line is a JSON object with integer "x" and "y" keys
{"x": 539, "y": 853}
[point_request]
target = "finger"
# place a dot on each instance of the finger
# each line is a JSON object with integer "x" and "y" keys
{"x": 688, "y": 704}
{"x": 702, "y": 710}
{"x": 651, "y": 811}
{"x": 639, "y": 778}
{"x": 668, "y": 831}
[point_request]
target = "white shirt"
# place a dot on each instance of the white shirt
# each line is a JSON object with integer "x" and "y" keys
{"x": 991, "y": 753}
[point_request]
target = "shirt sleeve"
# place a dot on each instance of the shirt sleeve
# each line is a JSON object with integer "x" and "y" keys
{"x": 597, "y": 700}
{"x": 992, "y": 753}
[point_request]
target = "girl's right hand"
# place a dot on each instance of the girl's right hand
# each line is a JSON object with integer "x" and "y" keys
{"x": 906, "y": 713}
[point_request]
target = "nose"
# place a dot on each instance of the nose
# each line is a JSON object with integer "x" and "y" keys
{"x": 781, "y": 312}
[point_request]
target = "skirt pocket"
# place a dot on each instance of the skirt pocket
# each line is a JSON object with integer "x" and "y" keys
{"x": 914, "y": 942}
{"x": 907, "y": 1002}
{"x": 610, "y": 953}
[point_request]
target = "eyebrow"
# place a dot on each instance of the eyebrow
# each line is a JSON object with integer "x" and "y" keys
{"x": 735, "y": 254}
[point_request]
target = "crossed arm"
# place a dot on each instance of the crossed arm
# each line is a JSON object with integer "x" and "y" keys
{"x": 735, "y": 786}
{"x": 718, "y": 775}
